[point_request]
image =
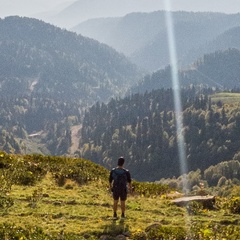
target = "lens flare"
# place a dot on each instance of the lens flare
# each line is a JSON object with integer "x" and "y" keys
{"x": 176, "y": 91}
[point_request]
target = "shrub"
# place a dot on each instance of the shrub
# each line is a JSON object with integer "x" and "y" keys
{"x": 26, "y": 178}
{"x": 139, "y": 235}
{"x": 222, "y": 181}
{"x": 150, "y": 189}
{"x": 8, "y": 231}
{"x": 235, "y": 205}
{"x": 194, "y": 207}
{"x": 6, "y": 202}
{"x": 158, "y": 231}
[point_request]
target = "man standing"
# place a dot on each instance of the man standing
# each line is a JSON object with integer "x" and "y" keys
{"x": 119, "y": 178}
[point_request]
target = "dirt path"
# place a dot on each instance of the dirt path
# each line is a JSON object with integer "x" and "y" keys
{"x": 75, "y": 137}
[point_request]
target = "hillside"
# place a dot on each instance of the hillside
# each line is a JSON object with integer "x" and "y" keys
{"x": 44, "y": 97}
{"x": 48, "y": 198}
{"x": 82, "y": 10}
{"x": 38, "y": 58}
{"x": 226, "y": 40}
{"x": 38, "y": 124}
{"x": 146, "y": 43}
{"x": 142, "y": 128}
{"x": 219, "y": 69}
{"x": 48, "y": 76}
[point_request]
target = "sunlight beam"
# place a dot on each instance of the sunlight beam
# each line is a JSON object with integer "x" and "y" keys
{"x": 176, "y": 90}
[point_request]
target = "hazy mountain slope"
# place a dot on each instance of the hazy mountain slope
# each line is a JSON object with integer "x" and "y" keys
{"x": 126, "y": 34}
{"x": 220, "y": 69}
{"x": 143, "y": 36}
{"x": 39, "y": 58}
{"x": 228, "y": 39}
{"x": 191, "y": 30}
{"x": 94, "y": 28}
{"x": 82, "y": 10}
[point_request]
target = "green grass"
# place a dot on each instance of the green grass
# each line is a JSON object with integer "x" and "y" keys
{"x": 87, "y": 209}
{"x": 78, "y": 209}
{"x": 226, "y": 97}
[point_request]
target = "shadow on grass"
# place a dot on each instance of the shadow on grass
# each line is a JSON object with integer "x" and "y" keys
{"x": 116, "y": 227}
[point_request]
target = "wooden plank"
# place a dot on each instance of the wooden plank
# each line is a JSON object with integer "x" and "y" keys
{"x": 207, "y": 201}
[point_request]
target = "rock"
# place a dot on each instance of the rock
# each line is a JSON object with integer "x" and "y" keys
{"x": 153, "y": 226}
{"x": 57, "y": 203}
{"x": 140, "y": 235}
{"x": 105, "y": 237}
{"x": 121, "y": 237}
{"x": 127, "y": 234}
{"x": 71, "y": 202}
{"x": 207, "y": 201}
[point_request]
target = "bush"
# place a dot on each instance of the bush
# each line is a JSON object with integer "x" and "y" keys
{"x": 194, "y": 207}
{"x": 8, "y": 231}
{"x": 235, "y": 205}
{"x": 222, "y": 181}
{"x": 6, "y": 202}
{"x": 139, "y": 235}
{"x": 150, "y": 189}
{"x": 158, "y": 231}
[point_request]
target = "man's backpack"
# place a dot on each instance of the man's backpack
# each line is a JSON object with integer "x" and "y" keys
{"x": 119, "y": 178}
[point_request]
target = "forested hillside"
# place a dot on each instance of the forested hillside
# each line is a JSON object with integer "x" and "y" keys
{"x": 47, "y": 77}
{"x": 50, "y": 77}
{"x": 143, "y": 36}
{"x": 39, "y": 58}
{"x": 37, "y": 125}
{"x": 219, "y": 70}
{"x": 141, "y": 127}
{"x": 226, "y": 40}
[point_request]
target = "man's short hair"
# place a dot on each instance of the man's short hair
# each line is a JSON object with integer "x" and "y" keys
{"x": 121, "y": 161}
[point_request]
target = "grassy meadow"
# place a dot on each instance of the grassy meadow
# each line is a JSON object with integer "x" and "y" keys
{"x": 226, "y": 97}
{"x": 47, "y": 199}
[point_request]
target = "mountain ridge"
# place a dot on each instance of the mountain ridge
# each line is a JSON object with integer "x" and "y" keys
{"x": 219, "y": 69}
{"x": 42, "y": 58}
{"x": 146, "y": 43}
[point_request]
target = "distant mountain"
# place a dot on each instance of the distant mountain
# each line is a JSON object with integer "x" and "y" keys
{"x": 220, "y": 69}
{"x": 228, "y": 39}
{"x": 82, "y": 10}
{"x": 143, "y": 36}
{"x": 126, "y": 34}
{"x": 40, "y": 58}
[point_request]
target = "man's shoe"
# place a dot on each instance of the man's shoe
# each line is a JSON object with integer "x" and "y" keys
{"x": 115, "y": 217}
{"x": 123, "y": 216}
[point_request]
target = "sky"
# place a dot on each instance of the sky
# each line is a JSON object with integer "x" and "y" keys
{"x": 47, "y": 9}
{"x": 31, "y": 7}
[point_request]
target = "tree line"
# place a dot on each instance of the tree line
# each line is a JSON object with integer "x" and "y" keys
{"x": 142, "y": 128}
{"x": 37, "y": 124}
